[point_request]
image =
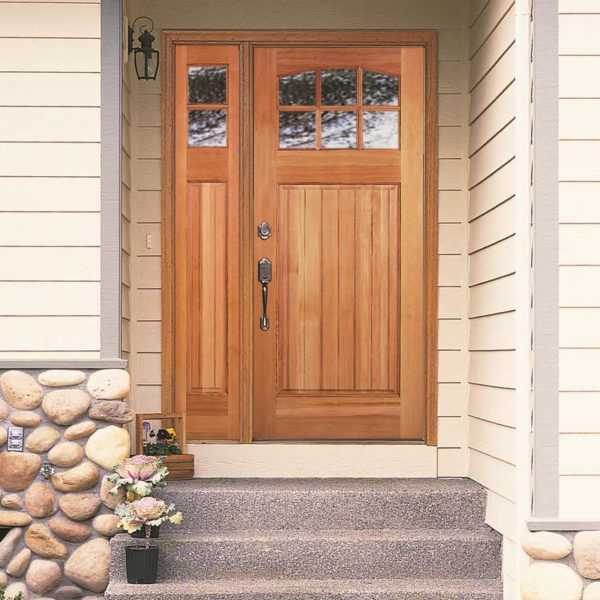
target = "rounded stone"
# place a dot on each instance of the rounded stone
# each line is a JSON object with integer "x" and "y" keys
{"x": 112, "y": 412}
{"x": 80, "y": 430}
{"x": 66, "y": 592}
{"x": 18, "y": 470}
{"x": 60, "y": 377}
{"x": 586, "y": 550}
{"x": 64, "y": 407}
{"x": 110, "y": 500}
{"x": 3, "y": 436}
{"x": 12, "y": 501}
{"x": 18, "y": 565}
{"x": 14, "y": 589}
{"x": 4, "y": 410}
{"x": 88, "y": 565}
{"x": 43, "y": 576}
{"x": 68, "y": 530}
{"x": 25, "y": 418}
{"x": 40, "y": 500}
{"x": 550, "y": 581}
{"x": 8, "y": 545}
{"x": 545, "y": 545}
{"x": 80, "y": 507}
{"x": 106, "y": 525}
{"x": 78, "y": 479}
{"x": 20, "y": 390}
{"x": 39, "y": 540}
{"x": 109, "y": 384}
{"x": 42, "y": 439}
{"x": 11, "y": 518}
{"x": 109, "y": 446}
{"x": 67, "y": 454}
{"x": 592, "y": 592}
{"x": 3, "y": 579}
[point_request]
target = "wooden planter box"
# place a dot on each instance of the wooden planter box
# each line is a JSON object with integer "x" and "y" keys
{"x": 181, "y": 466}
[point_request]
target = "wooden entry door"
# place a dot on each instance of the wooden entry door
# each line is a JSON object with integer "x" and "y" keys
{"x": 339, "y": 142}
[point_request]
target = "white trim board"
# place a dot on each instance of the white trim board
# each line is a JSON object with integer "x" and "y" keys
{"x": 314, "y": 460}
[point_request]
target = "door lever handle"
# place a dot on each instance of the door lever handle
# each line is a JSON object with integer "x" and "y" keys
{"x": 265, "y": 269}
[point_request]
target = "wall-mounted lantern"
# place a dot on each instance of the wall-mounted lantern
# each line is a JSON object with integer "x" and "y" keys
{"x": 146, "y": 58}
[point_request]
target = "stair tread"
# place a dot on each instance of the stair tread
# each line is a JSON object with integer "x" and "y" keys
{"x": 275, "y": 535}
{"x": 248, "y": 586}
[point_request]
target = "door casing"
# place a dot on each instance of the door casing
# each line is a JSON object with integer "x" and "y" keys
{"x": 172, "y": 401}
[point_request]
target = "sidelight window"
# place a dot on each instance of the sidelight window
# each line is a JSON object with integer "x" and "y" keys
{"x": 207, "y": 106}
{"x": 325, "y": 109}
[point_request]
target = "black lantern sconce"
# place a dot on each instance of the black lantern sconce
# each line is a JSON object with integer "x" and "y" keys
{"x": 145, "y": 58}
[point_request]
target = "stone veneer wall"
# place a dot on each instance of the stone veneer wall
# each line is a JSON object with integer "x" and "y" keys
{"x": 565, "y": 566}
{"x": 58, "y": 545}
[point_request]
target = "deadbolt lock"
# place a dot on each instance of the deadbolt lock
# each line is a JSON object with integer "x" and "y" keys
{"x": 264, "y": 231}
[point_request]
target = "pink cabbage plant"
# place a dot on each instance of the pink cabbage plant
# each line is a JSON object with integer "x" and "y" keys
{"x": 146, "y": 512}
{"x": 139, "y": 475}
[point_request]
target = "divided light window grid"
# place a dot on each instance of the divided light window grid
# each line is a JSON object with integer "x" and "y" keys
{"x": 207, "y": 106}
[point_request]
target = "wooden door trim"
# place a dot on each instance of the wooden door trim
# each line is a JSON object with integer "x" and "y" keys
{"x": 246, "y": 39}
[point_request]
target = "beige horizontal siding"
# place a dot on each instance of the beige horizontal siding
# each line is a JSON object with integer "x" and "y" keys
{"x": 50, "y": 180}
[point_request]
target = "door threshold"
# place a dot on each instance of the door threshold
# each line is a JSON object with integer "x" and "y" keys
{"x": 314, "y": 460}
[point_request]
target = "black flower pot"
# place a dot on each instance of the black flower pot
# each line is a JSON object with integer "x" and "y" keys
{"x": 141, "y": 533}
{"x": 142, "y": 564}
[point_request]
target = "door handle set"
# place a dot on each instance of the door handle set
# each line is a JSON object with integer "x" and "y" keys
{"x": 265, "y": 273}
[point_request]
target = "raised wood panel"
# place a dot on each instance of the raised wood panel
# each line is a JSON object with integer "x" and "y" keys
{"x": 493, "y": 226}
{"x": 579, "y": 412}
{"x": 50, "y": 89}
{"x": 500, "y": 39}
{"x": 49, "y": 264}
{"x": 50, "y": 194}
{"x": 340, "y": 247}
{"x": 573, "y": 79}
{"x": 493, "y": 404}
{"x": 493, "y": 297}
{"x": 493, "y": 84}
{"x": 579, "y": 327}
{"x": 50, "y": 55}
{"x": 206, "y": 289}
{"x": 579, "y": 370}
{"x": 579, "y": 202}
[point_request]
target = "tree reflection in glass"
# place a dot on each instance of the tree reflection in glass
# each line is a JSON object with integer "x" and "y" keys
{"x": 207, "y": 85}
{"x": 338, "y": 129}
{"x": 380, "y": 129}
{"x": 297, "y": 130}
{"x": 207, "y": 128}
{"x": 338, "y": 87}
{"x": 297, "y": 90}
{"x": 380, "y": 89}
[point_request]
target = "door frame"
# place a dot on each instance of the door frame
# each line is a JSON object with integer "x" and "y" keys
{"x": 247, "y": 40}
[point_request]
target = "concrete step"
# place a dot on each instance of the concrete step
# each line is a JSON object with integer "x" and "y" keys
{"x": 331, "y": 589}
{"x": 306, "y": 554}
{"x": 242, "y": 504}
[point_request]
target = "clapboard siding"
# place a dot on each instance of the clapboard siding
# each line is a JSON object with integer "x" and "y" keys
{"x": 49, "y": 180}
{"x": 579, "y": 274}
{"x": 492, "y": 262}
{"x": 453, "y": 172}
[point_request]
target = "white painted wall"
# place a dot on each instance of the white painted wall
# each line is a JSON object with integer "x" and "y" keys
{"x": 49, "y": 179}
{"x": 449, "y": 17}
{"x": 579, "y": 257}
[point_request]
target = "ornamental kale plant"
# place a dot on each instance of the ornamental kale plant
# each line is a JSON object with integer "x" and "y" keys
{"x": 139, "y": 475}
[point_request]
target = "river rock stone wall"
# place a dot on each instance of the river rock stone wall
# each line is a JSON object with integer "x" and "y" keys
{"x": 54, "y": 495}
{"x": 565, "y": 566}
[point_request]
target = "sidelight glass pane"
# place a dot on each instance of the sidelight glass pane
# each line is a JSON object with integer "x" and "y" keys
{"x": 297, "y": 130}
{"x": 338, "y": 129}
{"x": 207, "y": 85}
{"x": 380, "y": 89}
{"x": 207, "y": 128}
{"x": 338, "y": 87}
{"x": 297, "y": 90}
{"x": 380, "y": 129}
